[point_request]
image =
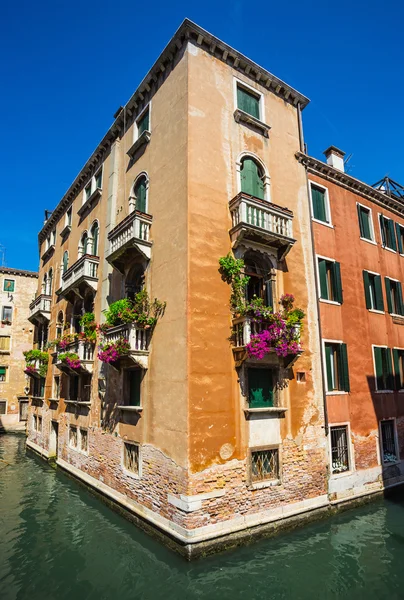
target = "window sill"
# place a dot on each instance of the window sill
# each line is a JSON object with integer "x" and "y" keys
{"x": 130, "y": 473}
{"x": 384, "y": 391}
{"x": 48, "y": 252}
{"x": 389, "y": 249}
{"x": 90, "y": 202}
{"x": 269, "y": 409}
{"x": 330, "y": 302}
{"x": 390, "y": 464}
{"x": 330, "y": 225}
{"x": 337, "y": 393}
{"x": 66, "y": 230}
{"x": 55, "y": 400}
{"x": 242, "y": 117}
{"x": 8, "y": 323}
{"x": 259, "y": 485}
{"x": 142, "y": 140}
{"x": 77, "y": 402}
{"x": 343, "y": 474}
{"x": 397, "y": 319}
{"x": 5, "y": 352}
{"x": 130, "y": 408}
{"x": 373, "y": 242}
{"x": 78, "y": 450}
{"x": 376, "y": 312}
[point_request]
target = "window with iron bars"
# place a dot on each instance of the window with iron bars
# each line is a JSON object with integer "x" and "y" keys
{"x": 339, "y": 449}
{"x": 264, "y": 465}
{"x": 389, "y": 450}
{"x": 131, "y": 457}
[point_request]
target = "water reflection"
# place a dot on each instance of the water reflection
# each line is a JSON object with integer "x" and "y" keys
{"x": 58, "y": 541}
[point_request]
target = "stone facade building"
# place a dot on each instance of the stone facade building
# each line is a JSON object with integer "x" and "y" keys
{"x": 17, "y": 288}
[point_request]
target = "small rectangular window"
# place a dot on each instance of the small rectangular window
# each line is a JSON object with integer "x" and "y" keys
{"x": 373, "y": 291}
{"x": 34, "y": 422}
{"x": 87, "y": 191}
{"x": 98, "y": 180}
{"x": 260, "y": 387}
{"x": 69, "y": 217}
{"x": 394, "y": 297}
{"x": 131, "y": 457}
{"x": 365, "y": 222}
{"x": 400, "y": 237}
{"x": 337, "y": 372}
{"x": 383, "y": 369}
{"x": 73, "y": 436}
{"x": 143, "y": 123}
{"x": 73, "y": 387}
{"x": 388, "y": 233}
{"x": 39, "y": 424}
{"x": 83, "y": 440}
{"x": 56, "y": 387}
{"x": 339, "y": 449}
{"x": 3, "y": 407}
{"x": 7, "y": 315}
{"x": 5, "y": 343}
{"x": 264, "y": 465}
{"x": 388, "y": 441}
{"x": 135, "y": 378}
{"x": 3, "y": 374}
{"x": 9, "y": 285}
{"x": 319, "y": 201}
{"x": 330, "y": 280}
{"x": 248, "y": 102}
{"x": 398, "y": 360}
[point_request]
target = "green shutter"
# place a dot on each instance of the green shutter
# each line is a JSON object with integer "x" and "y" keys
{"x": 388, "y": 294}
{"x": 336, "y": 272}
{"x": 382, "y": 229}
{"x": 400, "y": 307}
{"x": 364, "y": 222}
{"x": 143, "y": 123}
{"x": 392, "y": 234}
{"x": 396, "y": 362}
{"x": 248, "y": 103}
{"x": 379, "y": 293}
{"x": 260, "y": 388}
{"x": 318, "y": 201}
{"x": 390, "y": 375}
{"x": 94, "y": 234}
{"x": 251, "y": 182}
{"x": 343, "y": 368}
{"x": 140, "y": 193}
{"x": 378, "y": 367}
{"x": 322, "y": 269}
{"x": 328, "y": 362}
{"x": 399, "y": 241}
{"x": 366, "y": 284}
{"x": 134, "y": 387}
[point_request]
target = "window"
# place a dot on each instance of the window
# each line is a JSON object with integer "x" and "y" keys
{"x": 336, "y": 362}
{"x": 248, "y": 102}
{"x": 98, "y": 180}
{"x": 83, "y": 440}
{"x": 56, "y": 387}
{"x": 34, "y": 422}
{"x": 73, "y": 387}
{"x": 330, "y": 280}
{"x": 59, "y": 325}
{"x": 72, "y": 436}
{"x": 264, "y": 465}
{"x": 388, "y": 441}
{"x": 84, "y": 243}
{"x": 131, "y": 457}
{"x": 261, "y": 388}
{"x": 365, "y": 223}
{"x": 373, "y": 291}
{"x": 134, "y": 380}
{"x": 69, "y": 217}
{"x": 139, "y": 191}
{"x": 65, "y": 263}
{"x": 7, "y": 315}
{"x": 320, "y": 204}
{"x": 3, "y": 407}
{"x": 252, "y": 178}
{"x": 394, "y": 297}
{"x": 143, "y": 122}
{"x": 39, "y": 424}
{"x": 3, "y": 374}
{"x": 87, "y": 191}
{"x": 94, "y": 233}
{"x": 387, "y": 233}
{"x": 339, "y": 449}
{"x": 398, "y": 360}
{"x": 9, "y": 285}
{"x": 38, "y": 389}
{"x": 400, "y": 237}
{"x": 5, "y": 343}
{"x": 383, "y": 368}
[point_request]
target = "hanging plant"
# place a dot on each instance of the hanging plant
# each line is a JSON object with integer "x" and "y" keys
{"x": 141, "y": 311}
{"x": 111, "y": 352}
{"x": 71, "y": 359}
{"x": 232, "y": 272}
{"x": 33, "y": 356}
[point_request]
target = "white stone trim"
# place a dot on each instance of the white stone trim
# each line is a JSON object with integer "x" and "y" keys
{"x": 327, "y": 204}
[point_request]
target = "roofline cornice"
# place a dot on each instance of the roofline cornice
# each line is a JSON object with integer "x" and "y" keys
{"x": 187, "y": 32}
{"x": 20, "y": 272}
{"x": 325, "y": 171}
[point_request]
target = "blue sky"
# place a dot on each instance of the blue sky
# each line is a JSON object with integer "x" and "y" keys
{"x": 68, "y": 65}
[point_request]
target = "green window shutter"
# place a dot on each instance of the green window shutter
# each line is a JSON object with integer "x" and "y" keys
{"x": 396, "y": 362}
{"x": 140, "y": 193}
{"x": 400, "y": 307}
{"x": 318, "y": 201}
{"x": 251, "y": 182}
{"x": 328, "y": 364}
{"x": 367, "y": 291}
{"x": 390, "y": 375}
{"x": 392, "y": 234}
{"x": 364, "y": 223}
{"x": 336, "y": 271}
{"x": 143, "y": 124}
{"x": 388, "y": 294}
{"x": 361, "y": 230}
{"x": 343, "y": 368}
{"x": 378, "y": 367}
{"x": 399, "y": 241}
{"x": 134, "y": 387}
{"x": 379, "y": 293}
{"x": 268, "y": 293}
{"x": 383, "y": 229}
{"x": 94, "y": 233}
{"x": 2, "y": 371}
{"x": 322, "y": 268}
{"x": 260, "y": 388}
{"x": 248, "y": 103}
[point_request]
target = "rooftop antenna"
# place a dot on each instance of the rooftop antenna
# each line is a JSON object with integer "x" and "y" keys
{"x": 348, "y": 168}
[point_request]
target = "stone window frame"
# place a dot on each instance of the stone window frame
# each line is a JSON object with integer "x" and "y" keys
{"x": 91, "y": 183}
{"x": 137, "y": 475}
{"x": 350, "y": 446}
{"x": 5, "y": 401}
{"x": 239, "y": 83}
{"x": 251, "y": 484}
{"x": 10, "y": 346}
{"x": 260, "y": 162}
{"x": 396, "y": 443}
{"x": 327, "y": 204}
{"x": 372, "y": 227}
{"x": 78, "y": 448}
{"x": 139, "y": 117}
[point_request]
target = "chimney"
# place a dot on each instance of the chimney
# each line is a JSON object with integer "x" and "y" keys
{"x": 335, "y": 158}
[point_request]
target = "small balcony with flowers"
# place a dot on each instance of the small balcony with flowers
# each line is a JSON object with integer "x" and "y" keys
{"x": 36, "y": 363}
{"x": 260, "y": 221}
{"x": 40, "y": 309}
{"x": 81, "y": 275}
{"x": 130, "y": 238}
{"x": 128, "y": 329}
{"x": 74, "y": 352}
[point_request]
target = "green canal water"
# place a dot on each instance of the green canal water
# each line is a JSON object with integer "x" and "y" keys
{"x": 58, "y": 542}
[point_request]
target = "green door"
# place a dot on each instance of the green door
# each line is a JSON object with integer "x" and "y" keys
{"x": 251, "y": 182}
{"x": 260, "y": 388}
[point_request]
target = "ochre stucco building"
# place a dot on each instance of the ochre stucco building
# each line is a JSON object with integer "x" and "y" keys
{"x": 17, "y": 289}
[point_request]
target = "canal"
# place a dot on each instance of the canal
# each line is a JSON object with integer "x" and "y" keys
{"x": 58, "y": 542}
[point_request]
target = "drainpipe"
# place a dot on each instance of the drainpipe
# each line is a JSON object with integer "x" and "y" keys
{"x": 300, "y": 124}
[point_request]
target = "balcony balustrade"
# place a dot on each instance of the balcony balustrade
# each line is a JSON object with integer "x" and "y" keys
{"x": 40, "y": 309}
{"x": 260, "y": 221}
{"x": 138, "y": 339}
{"x": 85, "y": 352}
{"x": 131, "y": 236}
{"x": 83, "y": 273}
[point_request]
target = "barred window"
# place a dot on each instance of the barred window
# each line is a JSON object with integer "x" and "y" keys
{"x": 73, "y": 437}
{"x": 339, "y": 449}
{"x": 265, "y": 464}
{"x": 83, "y": 440}
{"x": 389, "y": 450}
{"x": 131, "y": 457}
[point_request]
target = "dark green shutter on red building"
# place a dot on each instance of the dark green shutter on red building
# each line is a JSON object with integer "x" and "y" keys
{"x": 318, "y": 201}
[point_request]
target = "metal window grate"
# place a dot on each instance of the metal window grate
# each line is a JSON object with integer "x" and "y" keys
{"x": 265, "y": 465}
{"x": 131, "y": 457}
{"x": 388, "y": 441}
{"x": 339, "y": 449}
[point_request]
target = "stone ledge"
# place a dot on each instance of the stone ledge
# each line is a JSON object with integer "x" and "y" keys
{"x": 192, "y": 503}
{"x": 38, "y": 449}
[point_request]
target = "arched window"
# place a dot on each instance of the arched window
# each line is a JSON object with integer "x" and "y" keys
{"x": 84, "y": 243}
{"x": 140, "y": 192}
{"x": 59, "y": 325}
{"x": 45, "y": 284}
{"x": 50, "y": 282}
{"x": 94, "y": 237}
{"x": 252, "y": 178}
{"x": 65, "y": 263}
{"x": 259, "y": 271}
{"x": 134, "y": 281}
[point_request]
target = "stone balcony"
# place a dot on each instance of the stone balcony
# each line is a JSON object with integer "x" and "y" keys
{"x": 138, "y": 339}
{"x": 131, "y": 236}
{"x": 40, "y": 309}
{"x": 34, "y": 371}
{"x": 85, "y": 352}
{"x": 83, "y": 273}
{"x": 255, "y": 220}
